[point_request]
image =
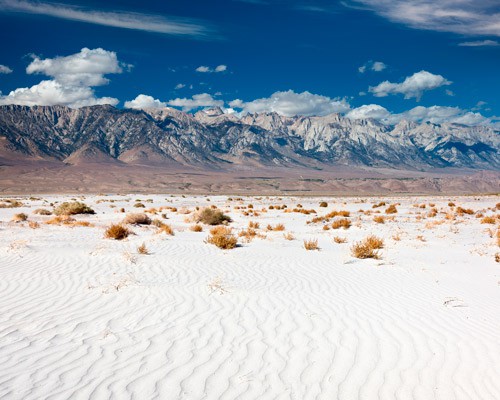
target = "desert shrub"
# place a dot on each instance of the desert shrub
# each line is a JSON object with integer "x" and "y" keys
{"x": 142, "y": 249}
{"x": 367, "y": 248}
{"x": 210, "y": 216}
{"x": 341, "y": 223}
{"x": 117, "y": 232}
{"x": 73, "y": 208}
{"x": 311, "y": 244}
{"x": 222, "y": 237}
{"x": 338, "y": 239}
{"x": 139, "y": 205}
{"x": 323, "y": 204}
{"x": 391, "y": 209}
{"x": 326, "y": 228}
{"x": 42, "y": 211}
{"x": 451, "y": 204}
{"x": 381, "y": 204}
{"x": 137, "y": 219}
{"x": 379, "y": 219}
{"x": 21, "y": 217}
{"x": 497, "y": 257}
{"x": 489, "y": 220}
{"x": 338, "y": 213}
{"x": 196, "y": 228}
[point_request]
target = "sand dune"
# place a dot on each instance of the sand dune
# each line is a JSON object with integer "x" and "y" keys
{"x": 88, "y": 317}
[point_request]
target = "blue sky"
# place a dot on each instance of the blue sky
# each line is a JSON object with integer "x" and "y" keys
{"x": 384, "y": 59}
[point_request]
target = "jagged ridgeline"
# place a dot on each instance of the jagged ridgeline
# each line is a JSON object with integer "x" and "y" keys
{"x": 104, "y": 134}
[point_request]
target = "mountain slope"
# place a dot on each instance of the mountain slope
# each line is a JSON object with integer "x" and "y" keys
{"x": 212, "y": 139}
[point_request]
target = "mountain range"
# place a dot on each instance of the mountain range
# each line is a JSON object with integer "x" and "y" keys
{"x": 211, "y": 139}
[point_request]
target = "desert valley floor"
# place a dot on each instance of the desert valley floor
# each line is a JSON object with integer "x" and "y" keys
{"x": 87, "y": 317}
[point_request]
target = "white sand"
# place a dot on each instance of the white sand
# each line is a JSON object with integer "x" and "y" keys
{"x": 86, "y": 317}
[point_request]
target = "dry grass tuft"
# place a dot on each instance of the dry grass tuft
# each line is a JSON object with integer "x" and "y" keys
{"x": 10, "y": 203}
{"x": 210, "y": 216}
{"x": 117, "y": 232}
{"x": 277, "y": 227}
{"x": 42, "y": 211}
{"x": 461, "y": 211}
{"x": 137, "y": 219}
{"x": 391, "y": 209}
{"x": 142, "y": 249}
{"x": 497, "y": 257}
{"x": 367, "y": 248}
{"x": 80, "y": 223}
{"x": 311, "y": 244}
{"x": 73, "y": 208}
{"x": 289, "y": 236}
{"x": 61, "y": 219}
{"x": 489, "y": 220}
{"x": 21, "y": 217}
{"x": 165, "y": 228}
{"x": 339, "y": 213}
{"x": 379, "y": 219}
{"x": 222, "y": 237}
{"x": 248, "y": 234}
{"x": 339, "y": 240}
{"x": 253, "y": 225}
{"x": 33, "y": 224}
{"x": 341, "y": 223}
{"x": 196, "y": 228}
{"x": 374, "y": 242}
{"x": 323, "y": 204}
{"x": 432, "y": 213}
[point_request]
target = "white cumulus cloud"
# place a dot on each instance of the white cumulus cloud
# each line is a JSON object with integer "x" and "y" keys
{"x": 290, "y": 103}
{"x": 5, "y": 70}
{"x": 434, "y": 114}
{"x": 73, "y": 79}
{"x": 375, "y": 66}
{"x": 143, "y": 101}
{"x": 197, "y": 101}
{"x": 86, "y": 68}
{"x": 369, "y": 111}
{"x": 49, "y": 93}
{"x": 205, "y": 69}
{"x": 412, "y": 87}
